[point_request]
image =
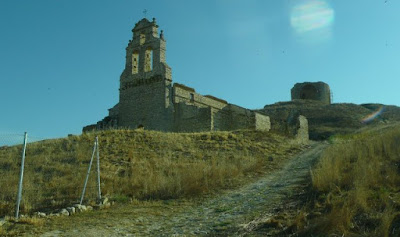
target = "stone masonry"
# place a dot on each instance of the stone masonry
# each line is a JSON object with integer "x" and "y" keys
{"x": 149, "y": 99}
{"x": 318, "y": 91}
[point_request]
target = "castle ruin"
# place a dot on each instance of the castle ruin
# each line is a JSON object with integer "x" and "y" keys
{"x": 149, "y": 99}
{"x": 318, "y": 91}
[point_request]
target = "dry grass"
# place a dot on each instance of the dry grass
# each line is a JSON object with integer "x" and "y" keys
{"x": 358, "y": 181}
{"x": 135, "y": 164}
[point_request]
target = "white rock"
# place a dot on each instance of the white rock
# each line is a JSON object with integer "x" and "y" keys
{"x": 64, "y": 212}
{"x": 40, "y": 214}
{"x": 71, "y": 210}
{"x": 80, "y": 208}
{"x": 77, "y": 206}
{"x": 89, "y": 208}
{"x": 104, "y": 200}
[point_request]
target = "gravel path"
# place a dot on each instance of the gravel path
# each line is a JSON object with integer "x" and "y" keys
{"x": 215, "y": 216}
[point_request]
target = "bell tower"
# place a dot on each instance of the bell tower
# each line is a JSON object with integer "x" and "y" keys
{"x": 145, "y": 83}
{"x": 145, "y": 54}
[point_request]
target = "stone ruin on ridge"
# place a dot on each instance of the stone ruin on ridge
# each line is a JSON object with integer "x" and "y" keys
{"x": 318, "y": 91}
{"x": 149, "y": 99}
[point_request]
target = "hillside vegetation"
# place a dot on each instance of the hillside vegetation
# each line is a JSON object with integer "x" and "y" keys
{"x": 137, "y": 164}
{"x": 357, "y": 185}
{"x": 327, "y": 120}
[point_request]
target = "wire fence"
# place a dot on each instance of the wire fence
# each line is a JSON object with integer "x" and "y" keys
{"x": 54, "y": 173}
{"x": 134, "y": 165}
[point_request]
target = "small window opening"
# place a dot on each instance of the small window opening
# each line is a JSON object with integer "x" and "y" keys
{"x": 148, "y": 60}
{"x": 142, "y": 39}
{"x": 191, "y": 97}
{"x": 135, "y": 62}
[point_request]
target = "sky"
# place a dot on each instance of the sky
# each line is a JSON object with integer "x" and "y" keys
{"x": 60, "y": 60}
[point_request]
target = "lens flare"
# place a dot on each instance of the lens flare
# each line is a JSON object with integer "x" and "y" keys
{"x": 311, "y": 15}
{"x": 373, "y": 116}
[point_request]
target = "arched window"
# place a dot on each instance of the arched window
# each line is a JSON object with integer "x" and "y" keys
{"x": 148, "y": 63}
{"x": 135, "y": 62}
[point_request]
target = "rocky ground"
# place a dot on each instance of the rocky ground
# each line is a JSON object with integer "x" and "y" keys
{"x": 240, "y": 212}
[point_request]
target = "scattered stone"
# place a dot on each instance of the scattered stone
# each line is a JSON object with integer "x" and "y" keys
{"x": 40, "y": 214}
{"x": 71, "y": 210}
{"x": 54, "y": 214}
{"x": 89, "y": 208}
{"x": 104, "y": 200}
{"x": 80, "y": 208}
{"x": 64, "y": 212}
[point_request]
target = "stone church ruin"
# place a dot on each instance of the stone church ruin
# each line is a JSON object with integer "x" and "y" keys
{"x": 148, "y": 98}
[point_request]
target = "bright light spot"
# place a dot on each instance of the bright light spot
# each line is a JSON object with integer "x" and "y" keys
{"x": 312, "y": 16}
{"x": 373, "y": 116}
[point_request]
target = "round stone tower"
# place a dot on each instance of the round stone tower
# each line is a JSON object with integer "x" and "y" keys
{"x": 318, "y": 91}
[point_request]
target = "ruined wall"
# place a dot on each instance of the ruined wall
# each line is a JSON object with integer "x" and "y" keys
{"x": 223, "y": 116}
{"x": 190, "y": 118}
{"x": 302, "y": 135}
{"x": 241, "y": 118}
{"x": 188, "y": 95}
{"x": 318, "y": 91}
{"x": 262, "y": 122}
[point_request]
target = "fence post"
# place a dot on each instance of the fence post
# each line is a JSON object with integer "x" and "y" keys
{"x": 87, "y": 175}
{"x": 21, "y": 176}
{"x": 98, "y": 169}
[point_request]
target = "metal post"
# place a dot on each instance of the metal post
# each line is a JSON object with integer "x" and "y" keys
{"x": 98, "y": 169}
{"x": 87, "y": 175}
{"x": 21, "y": 176}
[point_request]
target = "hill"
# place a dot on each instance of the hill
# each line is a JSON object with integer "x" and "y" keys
{"x": 327, "y": 120}
{"x": 353, "y": 190}
{"x": 137, "y": 164}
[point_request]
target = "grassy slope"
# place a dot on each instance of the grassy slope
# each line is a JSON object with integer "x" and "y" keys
{"x": 357, "y": 185}
{"x": 136, "y": 164}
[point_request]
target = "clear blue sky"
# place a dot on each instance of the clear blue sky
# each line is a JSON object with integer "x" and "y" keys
{"x": 60, "y": 60}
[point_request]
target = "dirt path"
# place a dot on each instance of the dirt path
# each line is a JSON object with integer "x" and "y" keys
{"x": 220, "y": 215}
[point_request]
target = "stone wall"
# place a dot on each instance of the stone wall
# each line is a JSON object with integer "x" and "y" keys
{"x": 262, "y": 122}
{"x": 182, "y": 93}
{"x": 146, "y": 105}
{"x": 223, "y": 116}
{"x": 190, "y": 118}
{"x": 302, "y": 129}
